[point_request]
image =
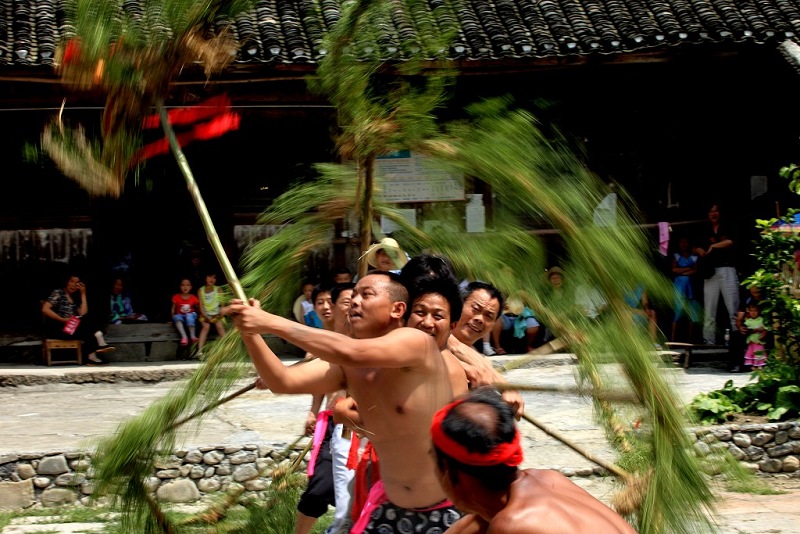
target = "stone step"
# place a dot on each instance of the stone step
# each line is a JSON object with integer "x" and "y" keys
{"x": 24, "y": 525}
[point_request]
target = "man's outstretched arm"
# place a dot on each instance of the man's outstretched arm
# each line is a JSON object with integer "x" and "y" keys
{"x": 315, "y": 377}
{"x": 403, "y": 347}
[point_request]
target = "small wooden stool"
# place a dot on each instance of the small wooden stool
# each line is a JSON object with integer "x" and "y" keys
{"x": 49, "y": 345}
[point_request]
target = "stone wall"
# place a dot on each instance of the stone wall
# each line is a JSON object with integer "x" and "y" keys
{"x": 765, "y": 448}
{"x": 56, "y": 478}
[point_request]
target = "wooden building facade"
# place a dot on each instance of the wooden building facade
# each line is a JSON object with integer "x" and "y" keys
{"x": 680, "y": 101}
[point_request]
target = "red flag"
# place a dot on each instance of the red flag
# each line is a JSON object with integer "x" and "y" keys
{"x": 203, "y": 131}
{"x": 205, "y": 110}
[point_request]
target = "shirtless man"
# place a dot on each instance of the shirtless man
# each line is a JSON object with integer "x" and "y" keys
{"x": 483, "y": 305}
{"x": 478, "y": 450}
{"x": 482, "y": 308}
{"x": 398, "y": 376}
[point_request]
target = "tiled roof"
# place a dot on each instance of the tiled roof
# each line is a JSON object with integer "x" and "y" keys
{"x": 289, "y": 32}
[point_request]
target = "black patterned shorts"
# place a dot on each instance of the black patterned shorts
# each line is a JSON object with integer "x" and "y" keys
{"x": 390, "y": 519}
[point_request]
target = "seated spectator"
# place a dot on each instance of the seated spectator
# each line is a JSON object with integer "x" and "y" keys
{"x": 386, "y": 255}
{"x": 210, "y": 297}
{"x": 322, "y": 314}
{"x": 303, "y": 304}
{"x": 121, "y": 307}
{"x": 184, "y": 311}
{"x": 556, "y": 278}
{"x": 342, "y": 275}
{"x": 516, "y": 328}
{"x": 65, "y": 313}
{"x": 555, "y": 292}
{"x": 643, "y": 314}
{"x": 571, "y": 297}
{"x": 590, "y": 301}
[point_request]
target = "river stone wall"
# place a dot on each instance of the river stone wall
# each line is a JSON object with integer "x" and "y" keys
{"x": 56, "y": 478}
{"x": 765, "y": 448}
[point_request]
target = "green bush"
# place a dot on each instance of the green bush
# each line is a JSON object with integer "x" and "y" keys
{"x": 775, "y": 393}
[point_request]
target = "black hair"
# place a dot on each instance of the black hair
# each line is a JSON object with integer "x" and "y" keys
{"x": 489, "y": 288}
{"x": 445, "y": 288}
{"x": 480, "y": 423}
{"x": 338, "y": 288}
{"x": 317, "y": 290}
{"x": 70, "y": 275}
{"x": 397, "y": 290}
{"x": 341, "y": 270}
{"x": 425, "y": 274}
{"x": 427, "y": 266}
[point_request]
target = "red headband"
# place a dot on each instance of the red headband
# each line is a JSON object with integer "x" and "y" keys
{"x": 505, "y": 453}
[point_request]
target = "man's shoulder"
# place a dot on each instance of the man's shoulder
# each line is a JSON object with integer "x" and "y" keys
{"x": 414, "y": 344}
{"x": 407, "y": 332}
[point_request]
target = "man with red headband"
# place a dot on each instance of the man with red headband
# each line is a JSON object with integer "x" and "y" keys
{"x": 478, "y": 450}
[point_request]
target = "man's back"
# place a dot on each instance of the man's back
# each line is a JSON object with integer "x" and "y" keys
{"x": 546, "y": 502}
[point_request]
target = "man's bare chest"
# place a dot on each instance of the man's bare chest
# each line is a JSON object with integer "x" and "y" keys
{"x": 381, "y": 394}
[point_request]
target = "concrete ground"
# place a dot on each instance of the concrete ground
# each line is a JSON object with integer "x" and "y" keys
{"x": 70, "y": 407}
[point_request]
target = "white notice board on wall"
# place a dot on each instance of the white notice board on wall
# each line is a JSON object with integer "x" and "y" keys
{"x": 409, "y": 177}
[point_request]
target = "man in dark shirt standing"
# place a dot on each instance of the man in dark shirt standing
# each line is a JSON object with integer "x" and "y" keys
{"x": 717, "y": 250}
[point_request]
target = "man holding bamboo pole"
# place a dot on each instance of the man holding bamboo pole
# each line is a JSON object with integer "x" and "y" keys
{"x": 398, "y": 376}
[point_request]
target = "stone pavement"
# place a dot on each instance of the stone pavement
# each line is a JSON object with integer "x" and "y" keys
{"x": 70, "y": 407}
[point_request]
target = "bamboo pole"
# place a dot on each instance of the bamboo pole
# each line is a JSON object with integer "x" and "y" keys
{"x": 367, "y": 170}
{"x": 551, "y": 347}
{"x": 194, "y": 192}
{"x": 611, "y": 396}
{"x": 212, "y": 406}
{"x": 612, "y": 468}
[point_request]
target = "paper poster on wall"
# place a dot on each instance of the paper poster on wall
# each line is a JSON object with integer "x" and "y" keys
{"x": 388, "y": 225}
{"x": 409, "y": 177}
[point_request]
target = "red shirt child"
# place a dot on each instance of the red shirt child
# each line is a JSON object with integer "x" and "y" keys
{"x": 184, "y": 311}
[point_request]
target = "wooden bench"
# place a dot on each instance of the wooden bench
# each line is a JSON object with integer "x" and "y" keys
{"x": 687, "y": 348}
{"x": 144, "y": 342}
{"x": 141, "y": 333}
{"x": 151, "y": 342}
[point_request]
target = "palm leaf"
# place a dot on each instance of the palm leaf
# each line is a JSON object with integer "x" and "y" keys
{"x": 533, "y": 174}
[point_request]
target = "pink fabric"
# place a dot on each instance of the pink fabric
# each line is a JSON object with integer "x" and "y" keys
{"x": 755, "y": 355}
{"x": 663, "y": 238}
{"x": 319, "y": 435}
{"x": 377, "y": 496}
{"x": 368, "y": 473}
